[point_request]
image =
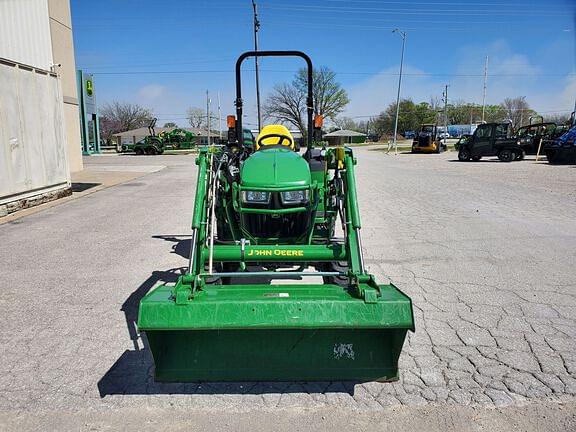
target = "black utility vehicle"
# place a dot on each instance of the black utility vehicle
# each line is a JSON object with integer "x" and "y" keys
{"x": 491, "y": 139}
{"x": 530, "y": 136}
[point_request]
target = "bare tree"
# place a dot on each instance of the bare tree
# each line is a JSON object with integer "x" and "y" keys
{"x": 345, "y": 123}
{"x": 122, "y": 116}
{"x": 557, "y": 118}
{"x": 517, "y": 110}
{"x": 170, "y": 125}
{"x": 287, "y": 103}
{"x": 330, "y": 98}
{"x": 108, "y": 128}
{"x": 197, "y": 117}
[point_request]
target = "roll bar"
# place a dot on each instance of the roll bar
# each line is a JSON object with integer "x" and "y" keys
{"x": 151, "y": 127}
{"x": 239, "y": 103}
{"x": 538, "y": 116}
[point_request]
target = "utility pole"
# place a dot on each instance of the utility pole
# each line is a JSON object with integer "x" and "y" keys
{"x": 219, "y": 118}
{"x": 403, "y": 35}
{"x": 256, "y": 28}
{"x": 208, "y": 115}
{"x": 445, "y": 95}
{"x": 484, "y": 91}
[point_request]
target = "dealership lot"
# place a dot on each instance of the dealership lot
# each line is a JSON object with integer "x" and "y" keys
{"x": 486, "y": 251}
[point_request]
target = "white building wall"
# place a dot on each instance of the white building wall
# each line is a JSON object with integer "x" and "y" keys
{"x": 25, "y": 32}
{"x": 33, "y": 156}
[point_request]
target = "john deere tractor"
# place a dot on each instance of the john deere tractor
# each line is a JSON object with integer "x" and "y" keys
{"x": 177, "y": 139}
{"x": 263, "y": 214}
{"x": 150, "y": 145}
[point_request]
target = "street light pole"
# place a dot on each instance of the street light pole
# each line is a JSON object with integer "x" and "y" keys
{"x": 484, "y": 89}
{"x": 256, "y": 28}
{"x": 445, "y": 112}
{"x": 403, "y": 35}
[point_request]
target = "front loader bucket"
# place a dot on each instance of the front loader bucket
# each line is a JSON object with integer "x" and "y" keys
{"x": 275, "y": 333}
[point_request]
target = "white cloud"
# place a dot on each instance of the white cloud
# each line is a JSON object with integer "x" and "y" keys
{"x": 372, "y": 95}
{"x": 151, "y": 92}
{"x": 510, "y": 74}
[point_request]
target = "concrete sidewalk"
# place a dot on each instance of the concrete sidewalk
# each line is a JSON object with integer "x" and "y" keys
{"x": 92, "y": 179}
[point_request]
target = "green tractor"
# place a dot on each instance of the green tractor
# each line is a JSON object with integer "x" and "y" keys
{"x": 178, "y": 139}
{"x": 150, "y": 145}
{"x": 263, "y": 214}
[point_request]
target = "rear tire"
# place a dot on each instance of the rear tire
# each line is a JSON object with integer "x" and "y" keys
{"x": 552, "y": 157}
{"x": 464, "y": 155}
{"x": 520, "y": 156}
{"x": 506, "y": 155}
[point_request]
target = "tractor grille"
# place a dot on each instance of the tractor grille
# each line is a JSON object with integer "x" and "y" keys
{"x": 277, "y": 226}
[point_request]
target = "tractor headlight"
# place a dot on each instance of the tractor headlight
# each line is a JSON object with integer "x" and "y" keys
{"x": 255, "y": 197}
{"x": 295, "y": 197}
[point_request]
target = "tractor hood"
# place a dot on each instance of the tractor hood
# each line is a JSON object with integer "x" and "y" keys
{"x": 275, "y": 168}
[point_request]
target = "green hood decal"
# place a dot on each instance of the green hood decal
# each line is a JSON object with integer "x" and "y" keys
{"x": 275, "y": 167}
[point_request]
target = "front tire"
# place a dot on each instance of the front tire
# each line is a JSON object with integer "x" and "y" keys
{"x": 506, "y": 155}
{"x": 139, "y": 151}
{"x": 464, "y": 155}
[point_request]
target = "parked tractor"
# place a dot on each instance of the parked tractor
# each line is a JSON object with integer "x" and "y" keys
{"x": 177, "y": 139}
{"x": 261, "y": 214}
{"x": 151, "y": 144}
{"x": 428, "y": 140}
{"x": 491, "y": 139}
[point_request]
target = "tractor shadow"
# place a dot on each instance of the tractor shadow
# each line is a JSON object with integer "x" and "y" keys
{"x": 133, "y": 372}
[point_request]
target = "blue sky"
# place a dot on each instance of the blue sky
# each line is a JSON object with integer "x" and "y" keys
{"x": 166, "y": 54}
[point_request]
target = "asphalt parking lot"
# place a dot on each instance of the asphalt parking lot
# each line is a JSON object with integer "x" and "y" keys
{"x": 486, "y": 251}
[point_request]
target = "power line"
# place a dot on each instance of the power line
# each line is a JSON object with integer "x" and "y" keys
{"x": 466, "y": 30}
{"x": 416, "y": 74}
{"x": 432, "y": 3}
{"x": 399, "y": 11}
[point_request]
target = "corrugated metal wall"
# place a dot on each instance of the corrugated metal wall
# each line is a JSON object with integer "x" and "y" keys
{"x": 32, "y": 140}
{"x": 25, "y": 32}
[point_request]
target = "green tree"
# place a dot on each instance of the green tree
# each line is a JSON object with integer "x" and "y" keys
{"x": 493, "y": 113}
{"x": 410, "y": 117}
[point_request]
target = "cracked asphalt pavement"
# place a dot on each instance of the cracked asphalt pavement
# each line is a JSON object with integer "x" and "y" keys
{"x": 486, "y": 251}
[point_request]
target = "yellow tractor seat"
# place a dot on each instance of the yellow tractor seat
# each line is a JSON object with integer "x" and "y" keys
{"x": 274, "y": 135}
